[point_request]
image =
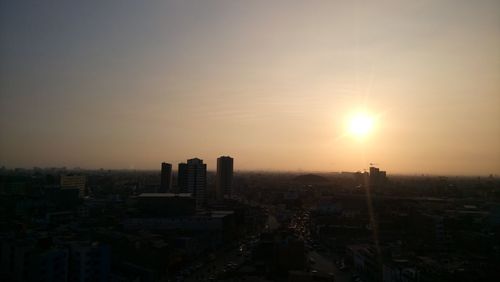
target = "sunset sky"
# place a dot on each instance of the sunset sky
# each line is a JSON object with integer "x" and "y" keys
{"x": 274, "y": 84}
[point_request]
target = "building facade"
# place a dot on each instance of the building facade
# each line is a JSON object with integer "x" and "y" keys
{"x": 182, "y": 178}
{"x": 196, "y": 180}
{"x": 224, "y": 179}
{"x": 74, "y": 181}
{"x": 166, "y": 178}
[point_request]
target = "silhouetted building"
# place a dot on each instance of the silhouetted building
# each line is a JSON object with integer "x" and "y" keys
{"x": 89, "y": 262}
{"x": 224, "y": 177}
{"x": 166, "y": 204}
{"x": 62, "y": 199}
{"x": 374, "y": 173}
{"x": 182, "y": 178}
{"x": 74, "y": 181}
{"x": 198, "y": 233}
{"x": 197, "y": 180}
{"x": 26, "y": 260}
{"x": 361, "y": 178}
{"x": 166, "y": 178}
{"x": 377, "y": 177}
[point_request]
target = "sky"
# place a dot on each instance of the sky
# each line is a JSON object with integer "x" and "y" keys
{"x": 129, "y": 84}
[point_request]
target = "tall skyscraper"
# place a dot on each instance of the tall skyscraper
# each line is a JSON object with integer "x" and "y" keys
{"x": 224, "y": 179}
{"x": 197, "y": 180}
{"x": 166, "y": 178}
{"x": 182, "y": 178}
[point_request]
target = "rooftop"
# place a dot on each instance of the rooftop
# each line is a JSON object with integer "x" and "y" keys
{"x": 164, "y": 195}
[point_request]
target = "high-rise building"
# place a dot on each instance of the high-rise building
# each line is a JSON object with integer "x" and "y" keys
{"x": 182, "y": 178}
{"x": 377, "y": 176}
{"x": 197, "y": 180}
{"x": 224, "y": 179}
{"x": 74, "y": 181}
{"x": 374, "y": 172}
{"x": 166, "y": 178}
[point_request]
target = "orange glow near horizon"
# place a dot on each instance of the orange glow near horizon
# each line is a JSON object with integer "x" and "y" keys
{"x": 296, "y": 86}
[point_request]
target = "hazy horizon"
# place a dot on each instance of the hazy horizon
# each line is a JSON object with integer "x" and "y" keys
{"x": 213, "y": 170}
{"x": 130, "y": 84}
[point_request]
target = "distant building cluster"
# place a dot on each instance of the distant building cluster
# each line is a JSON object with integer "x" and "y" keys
{"x": 373, "y": 179}
{"x": 192, "y": 179}
{"x": 377, "y": 176}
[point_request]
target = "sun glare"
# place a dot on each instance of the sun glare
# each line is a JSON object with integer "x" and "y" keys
{"x": 360, "y": 125}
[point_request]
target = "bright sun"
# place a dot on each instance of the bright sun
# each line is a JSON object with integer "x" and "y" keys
{"x": 360, "y": 125}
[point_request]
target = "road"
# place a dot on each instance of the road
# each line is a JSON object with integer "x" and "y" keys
{"x": 323, "y": 262}
{"x": 325, "y": 265}
{"x": 225, "y": 257}
{"x": 211, "y": 269}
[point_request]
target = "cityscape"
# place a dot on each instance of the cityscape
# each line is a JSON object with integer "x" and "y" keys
{"x": 250, "y": 141}
{"x": 194, "y": 224}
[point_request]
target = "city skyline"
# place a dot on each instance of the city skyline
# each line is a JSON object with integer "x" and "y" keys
{"x": 226, "y": 140}
{"x": 212, "y": 165}
{"x": 281, "y": 86}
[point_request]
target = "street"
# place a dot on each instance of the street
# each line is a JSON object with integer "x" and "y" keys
{"x": 325, "y": 265}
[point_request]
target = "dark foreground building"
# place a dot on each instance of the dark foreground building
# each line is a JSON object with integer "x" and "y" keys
{"x": 166, "y": 178}
{"x": 224, "y": 177}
